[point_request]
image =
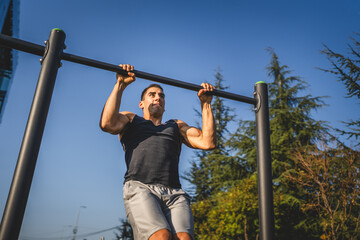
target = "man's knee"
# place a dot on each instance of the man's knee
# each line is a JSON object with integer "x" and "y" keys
{"x": 182, "y": 236}
{"x": 162, "y": 234}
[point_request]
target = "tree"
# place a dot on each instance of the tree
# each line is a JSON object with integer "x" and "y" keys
{"x": 214, "y": 170}
{"x": 347, "y": 69}
{"x": 228, "y": 215}
{"x": 124, "y": 231}
{"x": 290, "y": 119}
{"x": 330, "y": 179}
{"x": 230, "y": 211}
{"x": 291, "y": 124}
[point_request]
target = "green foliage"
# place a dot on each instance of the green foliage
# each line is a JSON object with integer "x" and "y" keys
{"x": 220, "y": 176}
{"x": 290, "y": 120}
{"x": 228, "y": 215}
{"x": 347, "y": 70}
{"x": 330, "y": 180}
{"x": 291, "y": 124}
{"x": 233, "y": 214}
{"x": 290, "y": 221}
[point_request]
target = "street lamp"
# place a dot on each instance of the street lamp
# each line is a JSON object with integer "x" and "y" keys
{"x": 77, "y": 222}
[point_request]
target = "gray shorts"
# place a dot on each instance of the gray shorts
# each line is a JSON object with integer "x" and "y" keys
{"x": 151, "y": 207}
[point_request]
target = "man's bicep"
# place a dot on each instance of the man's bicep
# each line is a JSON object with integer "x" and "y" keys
{"x": 192, "y": 132}
{"x": 123, "y": 119}
{"x": 190, "y": 135}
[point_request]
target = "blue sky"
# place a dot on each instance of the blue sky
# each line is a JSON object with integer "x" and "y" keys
{"x": 78, "y": 165}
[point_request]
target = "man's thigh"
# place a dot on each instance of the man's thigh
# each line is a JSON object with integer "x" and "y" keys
{"x": 178, "y": 213}
{"x": 143, "y": 210}
{"x": 176, "y": 208}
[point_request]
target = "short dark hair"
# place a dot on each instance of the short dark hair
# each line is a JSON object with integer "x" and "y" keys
{"x": 150, "y": 86}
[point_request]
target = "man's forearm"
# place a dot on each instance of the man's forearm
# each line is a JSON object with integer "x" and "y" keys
{"x": 208, "y": 125}
{"x": 112, "y": 105}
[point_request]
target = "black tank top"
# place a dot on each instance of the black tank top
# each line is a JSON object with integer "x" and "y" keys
{"x": 152, "y": 152}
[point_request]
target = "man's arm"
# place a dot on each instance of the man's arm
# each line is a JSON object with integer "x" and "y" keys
{"x": 113, "y": 121}
{"x": 193, "y": 137}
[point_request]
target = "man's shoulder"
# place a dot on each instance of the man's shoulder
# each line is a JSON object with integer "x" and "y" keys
{"x": 180, "y": 123}
{"x": 129, "y": 115}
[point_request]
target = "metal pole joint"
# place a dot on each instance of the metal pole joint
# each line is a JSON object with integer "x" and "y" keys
{"x": 57, "y": 55}
{"x": 257, "y": 97}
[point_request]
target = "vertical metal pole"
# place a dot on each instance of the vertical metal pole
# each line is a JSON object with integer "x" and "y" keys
{"x": 21, "y": 183}
{"x": 265, "y": 190}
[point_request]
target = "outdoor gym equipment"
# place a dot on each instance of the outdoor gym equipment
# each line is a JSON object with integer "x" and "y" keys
{"x": 52, "y": 54}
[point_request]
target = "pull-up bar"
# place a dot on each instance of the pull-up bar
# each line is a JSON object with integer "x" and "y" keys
{"x": 52, "y": 54}
{"x": 39, "y": 50}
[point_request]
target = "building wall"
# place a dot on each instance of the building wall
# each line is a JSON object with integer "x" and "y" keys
{"x": 9, "y": 25}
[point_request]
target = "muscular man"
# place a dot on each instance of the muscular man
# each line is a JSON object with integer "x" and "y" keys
{"x": 155, "y": 204}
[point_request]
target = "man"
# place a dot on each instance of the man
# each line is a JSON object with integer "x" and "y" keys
{"x": 156, "y": 206}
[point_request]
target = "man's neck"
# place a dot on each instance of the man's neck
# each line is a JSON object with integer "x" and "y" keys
{"x": 155, "y": 119}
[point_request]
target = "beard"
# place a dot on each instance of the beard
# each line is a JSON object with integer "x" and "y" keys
{"x": 156, "y": 110}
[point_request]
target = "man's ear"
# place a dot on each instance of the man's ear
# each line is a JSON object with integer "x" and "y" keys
{"x": 141, "y": 104}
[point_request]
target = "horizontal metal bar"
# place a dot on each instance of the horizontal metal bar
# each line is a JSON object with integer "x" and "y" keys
{"x": 21, "y": 45}
{"x": 32, "y": 48}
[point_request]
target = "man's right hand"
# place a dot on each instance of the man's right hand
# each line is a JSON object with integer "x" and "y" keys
{"x": 123, "y": 79}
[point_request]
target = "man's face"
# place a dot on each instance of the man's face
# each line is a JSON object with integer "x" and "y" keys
{"x": 153, "y": 101}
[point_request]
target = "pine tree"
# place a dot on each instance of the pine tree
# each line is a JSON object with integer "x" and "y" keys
{"x": 215, "y": 170}
{"x": 291, "y": 125}
{"x": 347, "y": 70}
{"x": 217, "y": 213}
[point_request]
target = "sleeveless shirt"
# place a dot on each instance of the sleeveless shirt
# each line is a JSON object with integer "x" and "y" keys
{"x": 152, "y": 152}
